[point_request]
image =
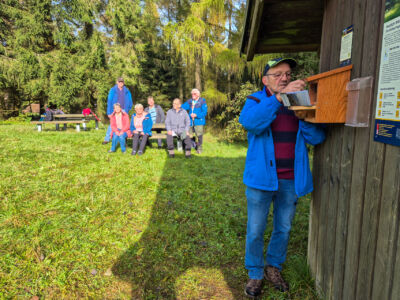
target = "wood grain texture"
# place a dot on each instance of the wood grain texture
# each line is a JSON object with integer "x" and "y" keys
{"x": 344, "y": 187}
{"x": 320, "y": 174}
{"x": 376, "y": 159}
{"x": 387, "y": 259}
{"x": 331, "y": 100}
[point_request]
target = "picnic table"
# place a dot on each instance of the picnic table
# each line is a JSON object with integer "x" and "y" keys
{"x": 65, "y": 119}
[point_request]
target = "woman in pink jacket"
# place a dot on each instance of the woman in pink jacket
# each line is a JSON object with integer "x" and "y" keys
{"x": 119, "y": 122}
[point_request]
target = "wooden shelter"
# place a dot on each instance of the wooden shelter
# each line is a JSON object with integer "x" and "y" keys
{"x": 354, "y": 233}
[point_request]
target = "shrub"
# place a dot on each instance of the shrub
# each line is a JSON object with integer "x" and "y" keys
{"x": 230, "y": 116}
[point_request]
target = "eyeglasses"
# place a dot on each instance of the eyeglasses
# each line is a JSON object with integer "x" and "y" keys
{"x": 280, "y": 75}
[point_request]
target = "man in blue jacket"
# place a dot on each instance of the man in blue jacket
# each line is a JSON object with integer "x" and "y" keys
{"x": 119, "y": 93}
{"x": 277, "y": 170}
{"x": 197, "y": 109}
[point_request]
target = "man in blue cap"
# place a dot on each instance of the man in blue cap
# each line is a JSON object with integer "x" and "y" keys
{"x": 277, "y": 170}
{"x": 119, "y": 93}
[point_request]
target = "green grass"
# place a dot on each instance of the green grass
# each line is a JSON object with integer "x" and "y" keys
{"x": 77, "y": 222}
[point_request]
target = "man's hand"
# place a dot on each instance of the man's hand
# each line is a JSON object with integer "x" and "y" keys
{"x": 193, "y": 115}
{"x": 294, "y": 86}
{"x": 141, "y": 133}
{"x": 169, "y": 132}
{"x": 135, "y": 132}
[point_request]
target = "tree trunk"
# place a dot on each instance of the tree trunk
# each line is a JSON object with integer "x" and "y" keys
{"x": 230, "y": 8}
{"x": 197, "y": 73}
{"x": 229, "y": 86}
{"x": 180, "y": 83}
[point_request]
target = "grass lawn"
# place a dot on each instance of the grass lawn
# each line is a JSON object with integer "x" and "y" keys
{"x": 77, "y": 222}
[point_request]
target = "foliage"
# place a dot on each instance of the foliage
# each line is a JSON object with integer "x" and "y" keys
{"x": 234, "y": 131}
{"x": 69, "y": 52}
{"x": 257, "y": 65}
{"x": 77, "y": 222}
{"x": 307, "y": 64}
{"x": 22, "y": 118}
{"x": 213, "y": 97}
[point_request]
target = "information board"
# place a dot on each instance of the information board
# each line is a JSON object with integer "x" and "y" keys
{"x": 346, "y": 46}
{"x": 387, "y": 114}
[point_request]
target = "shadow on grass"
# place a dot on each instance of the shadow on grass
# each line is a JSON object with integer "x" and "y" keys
{"x": 193, "y": 245}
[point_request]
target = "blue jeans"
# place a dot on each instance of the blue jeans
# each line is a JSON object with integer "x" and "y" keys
{"x": 119, "y": 139}
{"x": 258, "y": 204}
{"x": 108, "y": 134}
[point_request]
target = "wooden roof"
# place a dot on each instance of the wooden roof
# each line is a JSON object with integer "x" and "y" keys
{"x": 274, "y": 26}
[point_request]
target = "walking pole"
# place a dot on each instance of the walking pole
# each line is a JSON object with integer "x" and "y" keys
{"x": 193, "y": 131}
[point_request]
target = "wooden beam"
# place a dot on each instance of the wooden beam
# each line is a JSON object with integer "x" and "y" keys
{"x": 286, "y": 48}
{"x": 255, "y": 26}
{"x": 245, "y": 36}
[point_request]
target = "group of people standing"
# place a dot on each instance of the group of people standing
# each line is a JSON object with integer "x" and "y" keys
{"x": 181, "y": 121}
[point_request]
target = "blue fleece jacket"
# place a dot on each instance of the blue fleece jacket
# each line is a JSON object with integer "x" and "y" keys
{"x": 260, "y": 170}
{"x": 113, "y": 98}
{"x": 200, "y": 109}
{"x": 147, "y": 124}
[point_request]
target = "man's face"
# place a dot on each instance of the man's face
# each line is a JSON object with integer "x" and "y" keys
{"x": 120, "y": 84}
{"x": 273, "y": 81}
{"x": 117, "y": 109}
{"x": 176, "y": 104}
{"x": 150, "y": 101}
{"x": 195, "y": 95}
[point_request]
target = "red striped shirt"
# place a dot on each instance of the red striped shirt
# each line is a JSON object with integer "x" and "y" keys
{"x": 284, "y": 132}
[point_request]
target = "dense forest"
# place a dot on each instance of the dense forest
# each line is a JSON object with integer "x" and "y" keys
{"x": 70, "y": 52}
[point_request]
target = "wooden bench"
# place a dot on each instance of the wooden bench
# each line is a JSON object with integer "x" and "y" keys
{"x": 68, "y": 119}
{"x": 163, "y": 135}
{"x": 77, "y": 122}
{"x": 73, "y": 117}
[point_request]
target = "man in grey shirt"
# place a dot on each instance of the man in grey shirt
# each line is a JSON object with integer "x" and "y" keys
{"x": 177, "y": 124}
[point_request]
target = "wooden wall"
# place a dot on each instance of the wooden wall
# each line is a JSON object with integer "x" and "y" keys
{"x": 354, "y": 237}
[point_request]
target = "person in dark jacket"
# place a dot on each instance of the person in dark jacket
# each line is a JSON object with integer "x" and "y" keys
{"x": 177, "y": 124}
{"x": 157, "y": 115}
{"x": 119, "y": 93}
{"x": 197, "y": 109}
{"x": 277, "y": 170}
{"x": 141, "y": 125}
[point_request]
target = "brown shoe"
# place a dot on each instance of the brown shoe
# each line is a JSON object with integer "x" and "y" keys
{"x": 253, "y": 288}
{"x": 273, "y": 275}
